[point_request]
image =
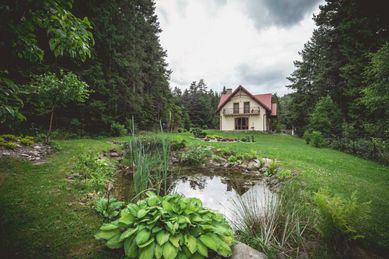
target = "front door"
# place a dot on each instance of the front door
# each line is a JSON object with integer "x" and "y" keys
{"x": 242, "y": 123}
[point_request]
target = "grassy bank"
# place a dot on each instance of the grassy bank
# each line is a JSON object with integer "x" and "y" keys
{"x": 41, "y": 214}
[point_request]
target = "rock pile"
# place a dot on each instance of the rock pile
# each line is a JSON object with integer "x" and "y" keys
{"x": 35, "y": 153}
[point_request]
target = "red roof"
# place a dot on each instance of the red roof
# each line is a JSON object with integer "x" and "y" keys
{"x": 263, "y": 99}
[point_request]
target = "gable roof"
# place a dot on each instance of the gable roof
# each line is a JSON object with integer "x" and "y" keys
{"x": 262, "y": 99}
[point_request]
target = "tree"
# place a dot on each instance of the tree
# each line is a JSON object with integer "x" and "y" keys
{"x": 326, "y": 118}
{"x": 50, "y": 92}
{"x": 31, "y": 31}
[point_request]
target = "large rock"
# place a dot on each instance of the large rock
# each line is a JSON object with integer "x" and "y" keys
{"x": 242, "y": 251}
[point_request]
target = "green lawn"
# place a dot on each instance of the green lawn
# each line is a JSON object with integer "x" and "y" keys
{"x": 40, "y": 214}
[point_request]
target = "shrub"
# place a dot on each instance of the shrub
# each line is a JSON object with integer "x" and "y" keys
{"x": 94, "y": 172}
{"x": 195, "y": 155}
{"x": 252, "y": 138}
{"x": 272, "y": 169}
{"x": 109, "y": 208}
{"x": 340, "y": 219}
{"x": 317, "y": 139}
{"x": 9, "y": 137}
{"x": 9, "y": 145}
{"x": 284, "y": 174}
{"x": 171, "y": 226}
{"x": 177, "y": 145}
{"x": 307, "y": 136}
{"x": 118, "y": 129}
{"x": 180, "y": 130}
{"x": 198, "y": 133}
{"x": 27, "y": 141}
{"x": 232, "y": 159}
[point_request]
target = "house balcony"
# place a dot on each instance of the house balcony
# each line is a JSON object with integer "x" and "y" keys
{"x": 240, "y": 112}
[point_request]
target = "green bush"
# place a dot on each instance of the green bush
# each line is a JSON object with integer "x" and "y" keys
{"x": 109, "y": 208}
{"x": 27, "y": 141}
{"x": 118, "y": 129}
{"x": 307, "y": 136}
{"x": 195, "y": 155}
{"x": 9, "y": 137}
{"x": 180, "y": 130}
{"x": 232, "y": 159}
{"x": 272, "y": 169}
{"x": 341, "y": 219}
{"x": 177, "y": 145}
{"x": 94, "y": 172}
{"x": 9, "y": 145}
{"x": 317, "y": 139}
{"x": 284, "y": 174}
{"x": 170, "y": 227}
{"x": 198, "y": 133}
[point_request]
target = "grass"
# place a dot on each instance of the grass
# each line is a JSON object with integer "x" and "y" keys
{"x": 40, "y": 214}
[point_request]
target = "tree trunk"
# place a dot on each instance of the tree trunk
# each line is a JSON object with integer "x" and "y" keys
{"x": 50, "y": 125}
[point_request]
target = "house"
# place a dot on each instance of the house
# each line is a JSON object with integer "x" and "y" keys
{"x": 241, "y": 110}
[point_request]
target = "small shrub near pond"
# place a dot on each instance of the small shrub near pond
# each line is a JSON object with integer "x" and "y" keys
{"x": 118, "y": 129}
{"x": 170, "y": 227}
{"x": 94, "y": 172}
{"x": 198, "y": 133}
{"x": 9, "y": 141}
{"x": 196, "y": 155}
{"x": 341, "y": 219}
{"x": 109, "y": 209}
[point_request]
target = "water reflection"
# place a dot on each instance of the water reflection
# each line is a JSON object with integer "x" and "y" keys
{"x": 220, "y": 192}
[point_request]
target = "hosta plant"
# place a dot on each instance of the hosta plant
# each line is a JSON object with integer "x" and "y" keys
{"x": 168, "y": 227}
{"x": 109, "y": 208}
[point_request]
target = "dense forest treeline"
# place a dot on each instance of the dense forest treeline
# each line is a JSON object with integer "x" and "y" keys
{"x": 341, "y": 84}
{"x": 115, "y": 50}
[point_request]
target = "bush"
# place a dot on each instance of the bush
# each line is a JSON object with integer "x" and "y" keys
{"x": 171, "y": 226}
{"x": 317, "y": 139}
{"x": 180, "y": 130}
{"x": 341, "y": 219}
{"x": 307, "y": 136}
{"x": 109, "y": 208}
{"x": 27, "y": 141}
{"x": 94, "y": 172}
{"x": 284, "y": 174}
{"x": 118, "y": 129}
{"x": 9, "y": 137}
{"x": 272, "y": 169}
{"x": 198, "y": 133}
{"x": 177, "y": 145}
{"x": 195, "y": 155}
{"x": 9, "y": 145}
{"x": 232, "y": 159}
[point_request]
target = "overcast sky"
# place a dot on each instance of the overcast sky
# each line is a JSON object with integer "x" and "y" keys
{"x": 235, "y": 42}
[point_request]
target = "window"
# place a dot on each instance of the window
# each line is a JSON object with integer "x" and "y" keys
{"x": 236, "y": 107}
{"x": 242, "y": 123}
{"x": 246, "y": 107}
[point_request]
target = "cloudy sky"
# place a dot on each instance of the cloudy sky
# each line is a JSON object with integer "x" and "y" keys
{"x": 235, "y": 42}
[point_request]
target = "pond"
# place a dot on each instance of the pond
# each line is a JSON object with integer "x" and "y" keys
{"x": 221, "y": 190}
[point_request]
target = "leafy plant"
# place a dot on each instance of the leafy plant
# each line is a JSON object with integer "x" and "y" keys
{"x": 170, "y": 227}
{"x": 284, "y": 174}
{"x": 109, "y": 208}
{"x": 9, "y": 145}
{"x": 341, "y": 219}
{"x": 118, "y": 129}
{"x": 94, "y": 172}
{"x": 198, "y": 133}
{"x": 27, "y": 141}
{"x": 195, "y": 155}
{"x": 9, "y": 137}
{"x": 307, "y": 136}
{"x": 317, "y": 139}
{"x": 272, "y": 169}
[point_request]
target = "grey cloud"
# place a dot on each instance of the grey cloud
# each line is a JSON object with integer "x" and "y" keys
{"x": 284, "y": 13}
{"x": 259, "y": 76}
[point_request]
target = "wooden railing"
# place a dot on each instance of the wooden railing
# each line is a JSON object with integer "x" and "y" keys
{"x": 241, "y": 111}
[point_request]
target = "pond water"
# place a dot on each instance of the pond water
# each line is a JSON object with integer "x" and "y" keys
{"x": 221, "y": 192}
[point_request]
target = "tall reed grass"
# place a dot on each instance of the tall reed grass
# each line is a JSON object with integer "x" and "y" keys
{"x": 149, "y": 158}
{"x": 268, "y": 223}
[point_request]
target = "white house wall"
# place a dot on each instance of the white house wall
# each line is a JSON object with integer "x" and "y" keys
{"x": 256, "y": 121}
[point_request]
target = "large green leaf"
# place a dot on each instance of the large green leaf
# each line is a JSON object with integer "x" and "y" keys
{"x": 126, "y": 217}
{"x": 191, "y": 243}
{"x": 128, "y": 233}
{"x": 209, "y": 241}
{"x": 202, "y": 249}
{"x": 107, "y": 234}
{"x": 158, "y": 251}
{"x": 169, "y": 251}
{"x": 141, "y": 213}
{"x": 175, "y": 240}
{"x": 114, "y": 242}
{"x": 147, "y": 252}
{"x": 130, "y": 248}
{"x": 162, "y": 237}
{"x": 107, "y": 227}
{"x": 142, "y": 237}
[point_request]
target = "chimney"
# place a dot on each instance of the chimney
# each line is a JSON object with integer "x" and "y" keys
{"x": 229, "y": 91}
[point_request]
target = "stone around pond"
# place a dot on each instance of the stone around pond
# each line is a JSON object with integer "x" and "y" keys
{"x": 242, "y": 251}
